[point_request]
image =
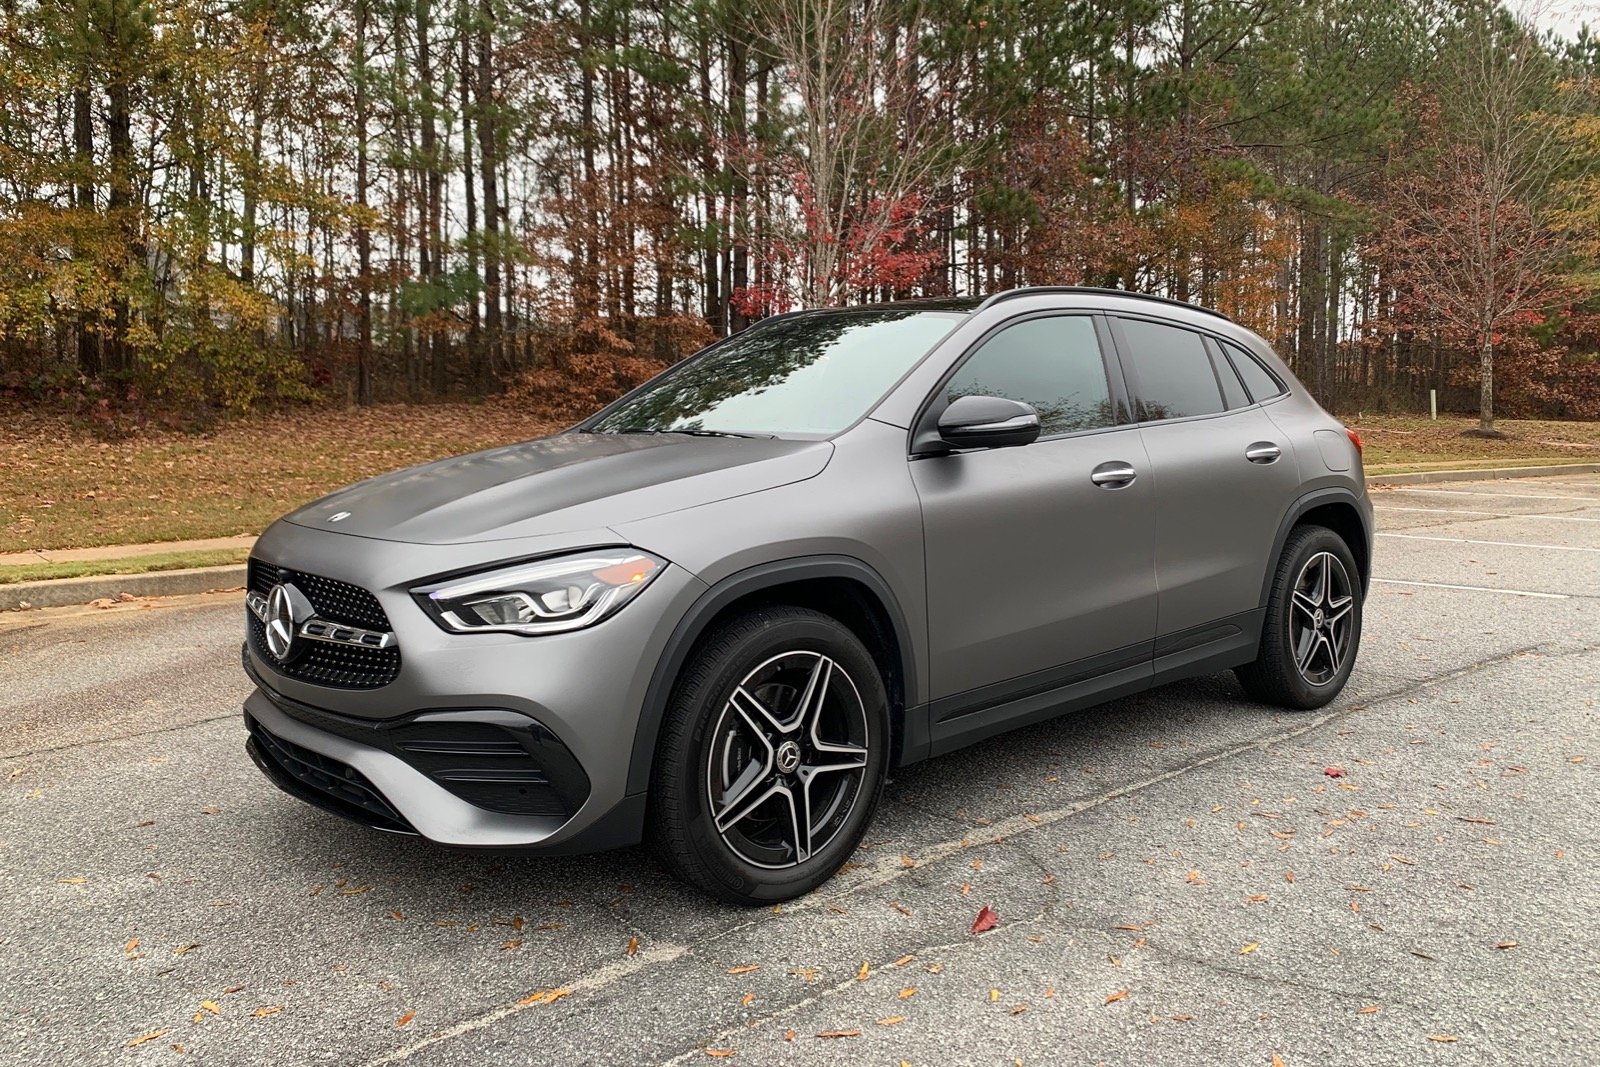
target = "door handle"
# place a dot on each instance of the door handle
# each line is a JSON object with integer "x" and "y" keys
{"x": 1115, "y": 474}
{"x": 1263, "y": 452}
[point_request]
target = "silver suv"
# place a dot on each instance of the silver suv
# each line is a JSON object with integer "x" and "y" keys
{"x": 716, "y": 614}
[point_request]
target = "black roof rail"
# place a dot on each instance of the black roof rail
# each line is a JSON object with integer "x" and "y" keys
{"x": 1092, "y": 290}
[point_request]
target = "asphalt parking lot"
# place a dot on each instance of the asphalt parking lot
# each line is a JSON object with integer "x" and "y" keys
{"x": 1178, "y": 876}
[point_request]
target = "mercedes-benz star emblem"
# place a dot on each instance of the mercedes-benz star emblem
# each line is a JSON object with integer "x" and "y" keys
{"x": 280, "y": 623}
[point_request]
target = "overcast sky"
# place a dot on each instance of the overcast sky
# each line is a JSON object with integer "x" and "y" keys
{"x": 1563, "y": 16}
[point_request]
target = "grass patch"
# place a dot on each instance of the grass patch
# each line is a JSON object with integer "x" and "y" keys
{"x": 1397, "y": 444}
{"x": 61, "y": 487}
{"x": 165, "y": 561}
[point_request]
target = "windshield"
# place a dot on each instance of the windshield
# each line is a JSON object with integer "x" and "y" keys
{"x": 809, "y": 375}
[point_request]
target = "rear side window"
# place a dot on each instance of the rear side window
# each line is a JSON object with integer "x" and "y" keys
{"x": 1051, "y": 363}
{"x": 1171, "y": 371}
{"x": 1262, "y": 383}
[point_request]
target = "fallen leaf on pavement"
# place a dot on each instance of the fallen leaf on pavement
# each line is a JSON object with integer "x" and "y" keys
{"x": 151, "y": 1036}
{"x": 1370, "y": 1009}
{"x": 892, "y": 1020}
{"x": 633, "y": 945}
{"x": 544, "y": 996}
{"x": 1333, "y": 772}
{"x": 1446, "y": 1039}
{"x": 987, "y": 919}
{"x": 720, "y": 1053}
{"x": 908, "y": 992}
{"x": 405, "y": 1020}
{"x": 73, "y": 881}
{"x": 1121, "y": 994}
{"x": 853, "y": 1032}
{"x": 267, "y": 1010}
{"x": 1506, "y": 944}
{"x": 1251, "y": 947}
{"x": 746, "y": 969}
{"x": 866, "y": 969}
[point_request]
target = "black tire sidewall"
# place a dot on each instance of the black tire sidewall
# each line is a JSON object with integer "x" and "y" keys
{"x": 781, "y": 631}
{"x": 1304, "y": 545}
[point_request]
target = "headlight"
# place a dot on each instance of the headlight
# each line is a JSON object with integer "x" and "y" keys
{"x": 544, "y": 597}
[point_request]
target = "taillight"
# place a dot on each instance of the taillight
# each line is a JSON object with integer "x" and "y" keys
{"x": 1355, "y": 438}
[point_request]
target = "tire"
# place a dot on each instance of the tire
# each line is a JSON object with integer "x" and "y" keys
{"x": 727, "y": 790}
{"x": 1294, "y": 670}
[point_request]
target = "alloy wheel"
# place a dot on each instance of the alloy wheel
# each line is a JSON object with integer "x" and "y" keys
{"x": 1322, "y": 618}
{"x": 787, "y": 759}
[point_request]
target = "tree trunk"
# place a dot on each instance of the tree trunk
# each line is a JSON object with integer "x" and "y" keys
{"x": 488, "y": 161}
{"x": 1486, "y": 384}
{"x": 363, "y": 231}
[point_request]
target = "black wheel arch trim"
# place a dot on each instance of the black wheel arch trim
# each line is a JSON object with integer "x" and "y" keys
{"x": 694, "y": 623}
{"x": 1315, "y": 499}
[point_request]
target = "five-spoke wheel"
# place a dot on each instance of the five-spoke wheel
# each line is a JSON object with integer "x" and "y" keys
{"x": 772, "y": 756}
{"x": 1313, "y": 623}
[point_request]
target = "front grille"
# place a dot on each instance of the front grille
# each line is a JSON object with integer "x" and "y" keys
{"x": 323, "y": 781}
{"x": 321, "y": 662}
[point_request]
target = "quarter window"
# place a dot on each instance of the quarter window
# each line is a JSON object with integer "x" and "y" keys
{"x": 1171, "y": 372}
{"x": 1260, "y": 381}
{"x": 1050, "y": 363}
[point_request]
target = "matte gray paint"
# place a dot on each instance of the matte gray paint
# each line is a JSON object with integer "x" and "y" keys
{"x": 1017, "y": 587}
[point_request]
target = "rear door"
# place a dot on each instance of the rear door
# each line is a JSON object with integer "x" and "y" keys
{"x": 1224, "y": 477}
{"x": 1040, "y": 567}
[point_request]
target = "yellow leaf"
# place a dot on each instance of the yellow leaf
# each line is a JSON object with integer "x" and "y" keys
{"x": 133, "y": 943}
{"x": 151, "y": 1036}
{"x": 1446, "y": 1039}
{"x": 1277, "y": 1060}
{"x": 211, "y": 1006}
{"x": 892, "y": 1020}
{"x": 748, "y": 998}
{"x": 908, "y": 991}
{"x": 902, "y": 961}
{"x": 73, "y": 881}
{"x": 544, "y": 996}
{"x": 994, "y": 995}
{"x": 907, "y": 861}
{"x": 866, "y": 969}
{"x": 1251, "y": 947}
{"x": 267, "y": 1010}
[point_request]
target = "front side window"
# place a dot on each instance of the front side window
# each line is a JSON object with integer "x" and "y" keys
{"x": 810, "y": 375}
{"x": 1050, "y": 363}
{"x": 1171, "y": 372}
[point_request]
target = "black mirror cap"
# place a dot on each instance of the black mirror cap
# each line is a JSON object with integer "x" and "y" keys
{"x": 988, "y": 422}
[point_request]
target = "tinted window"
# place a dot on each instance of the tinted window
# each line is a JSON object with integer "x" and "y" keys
{"x": 1051, "y": 363}
{"x": 1233, "y": 394}
{"x": 1171, "y": 372}
{"x": 812, "y": 374}
{"x": 1257, "y": 378}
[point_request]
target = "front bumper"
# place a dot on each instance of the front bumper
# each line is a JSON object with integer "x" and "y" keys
{"x": 480, "y": 741}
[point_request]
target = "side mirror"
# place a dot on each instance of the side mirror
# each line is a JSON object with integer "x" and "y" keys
{"x": 988, "y": 422}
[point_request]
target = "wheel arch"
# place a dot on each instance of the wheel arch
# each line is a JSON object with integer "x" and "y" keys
{"x": 841, "y": 586}
{"x": 1339, "y": 510}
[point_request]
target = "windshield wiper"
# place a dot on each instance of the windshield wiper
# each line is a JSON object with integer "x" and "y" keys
{"x": 715, "y": 433}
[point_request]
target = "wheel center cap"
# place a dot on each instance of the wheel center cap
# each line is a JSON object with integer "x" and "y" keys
{"x": 787, "y": 757}
{"x": 1317, "y": 621}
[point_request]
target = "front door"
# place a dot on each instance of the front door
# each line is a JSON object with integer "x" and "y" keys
{"x": 1040, "y": 558}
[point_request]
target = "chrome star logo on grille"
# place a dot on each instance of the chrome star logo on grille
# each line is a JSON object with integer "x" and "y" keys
{"x": 287, "y": 608}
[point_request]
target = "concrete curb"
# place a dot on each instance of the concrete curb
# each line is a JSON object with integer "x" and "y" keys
{"x": 64, "y": 592}
{"x": 1488, "y": 474}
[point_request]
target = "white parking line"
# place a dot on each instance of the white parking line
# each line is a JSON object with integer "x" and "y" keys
{"x": 1474, "y": 588}
{"x": 1501, "y": 544}
{"x": 1490, "y": 514}
{"x": 1464, "y": 492}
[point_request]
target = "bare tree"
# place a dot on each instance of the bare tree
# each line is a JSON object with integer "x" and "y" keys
{"x": 872, "y": 134}
{"x": 1473, "y": 212}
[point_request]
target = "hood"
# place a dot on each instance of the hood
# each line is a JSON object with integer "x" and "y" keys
{"x": 572, "y": 481}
